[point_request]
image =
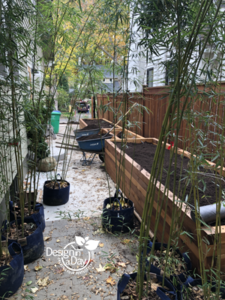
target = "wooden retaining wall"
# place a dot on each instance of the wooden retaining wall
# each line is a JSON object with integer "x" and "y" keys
{"x": 134, "y": 182}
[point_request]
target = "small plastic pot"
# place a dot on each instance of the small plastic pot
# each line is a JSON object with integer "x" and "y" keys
{"x": 55, "y": 197}
{"x": 40, "y": 214}
{"x": 32, "y": 245}
{"x": 117, "y": 221}
{"x": 160, "y": 291}
{"x": 11, "y": 277}
{"x": 182, "y": 276}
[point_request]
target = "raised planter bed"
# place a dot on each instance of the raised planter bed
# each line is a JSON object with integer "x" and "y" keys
{"x": 86, "y": 122}
{"x": 128, "y": 134}
{"x": 134, "y": 183}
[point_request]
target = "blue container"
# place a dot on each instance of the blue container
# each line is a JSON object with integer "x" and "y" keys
{"x": 40, "y": 213}
{"x": 93, "y": 145}
{"x": 34, "y": 247}
{"x": 198, "y": 282}
{"x": 183, "y": 276}
{"x": 79, "y": 133}
{"x": 117, "y": 221}
{"x": 160, "y": 291}
{"x": 11, "y": 277}
{"x": 55, "y": 197}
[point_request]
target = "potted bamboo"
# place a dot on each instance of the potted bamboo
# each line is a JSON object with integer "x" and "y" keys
{"x": 11, "y": 268}
{"x": 56, "y": 192}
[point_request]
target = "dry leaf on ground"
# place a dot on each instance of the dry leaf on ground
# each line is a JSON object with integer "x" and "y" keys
{"x": 38, "y": 268}
{"x": 26, "y": 268}
{"x": 101, "y": 245}
{"x": 100, "y": 269}
{"x": 110, "y": 267}
{"x": 126, "y": 241}
{"x": 121, "y": 264}
{"x": 47, "y": 238}
{"x": 34, "y": 290}
{"x": 43, "y": 282}
{"x": 111, "y": 281}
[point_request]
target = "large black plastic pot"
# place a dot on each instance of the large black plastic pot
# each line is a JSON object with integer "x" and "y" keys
{"x": 58, "y": 196}
{"x": 117, "y": 221}
{"x": 32, "y": 245}
{"x": 38, "y": 208}
{"x": 11, "y": 277}
{"x": 191, "y": 282}
{"x": 182, "y": 277}
{"x": 160, "y": 291}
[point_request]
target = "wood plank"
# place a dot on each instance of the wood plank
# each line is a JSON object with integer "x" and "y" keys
{"x": 135, "y": 185}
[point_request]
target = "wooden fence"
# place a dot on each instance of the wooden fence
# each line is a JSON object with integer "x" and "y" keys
{"x": 156, "y": 101}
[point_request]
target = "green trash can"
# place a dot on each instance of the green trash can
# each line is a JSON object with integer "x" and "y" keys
{"x": 55, "y": 117}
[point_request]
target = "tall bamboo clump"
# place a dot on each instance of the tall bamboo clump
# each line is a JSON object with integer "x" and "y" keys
{"x": 179, "y": 27}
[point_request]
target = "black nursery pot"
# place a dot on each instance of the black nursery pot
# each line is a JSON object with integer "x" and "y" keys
{"x": 11, "y": 277}
{"x": 117, "y": 221}
{"x": 191, "y": 282}
{"x": 40, "y": 215}
{"x": 55, "y": 197}
{"x": 182, "y": 277}
{"x": 161, "y": 292}
{"x": 33, "y": 245}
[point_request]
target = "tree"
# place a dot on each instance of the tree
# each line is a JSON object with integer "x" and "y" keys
{"x": 63, "y": 99}
{"x": 63, "y": 83}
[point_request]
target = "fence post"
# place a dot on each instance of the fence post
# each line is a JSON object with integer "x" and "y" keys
{"x": 93, "y": 106}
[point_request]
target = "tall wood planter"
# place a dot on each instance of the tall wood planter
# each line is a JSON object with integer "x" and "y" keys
{"x": 134, "y": 182}
{"x": 128, "y": 134}
{"x": 84, "y": 124}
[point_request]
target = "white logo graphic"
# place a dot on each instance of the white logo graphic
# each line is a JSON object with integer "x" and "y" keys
{"x": 76, "y": 256}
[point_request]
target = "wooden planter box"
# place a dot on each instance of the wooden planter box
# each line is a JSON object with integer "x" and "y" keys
{"x": 128, "y": 134}
{"x": 83, "y": 124}
{"x": 134, "y": 182}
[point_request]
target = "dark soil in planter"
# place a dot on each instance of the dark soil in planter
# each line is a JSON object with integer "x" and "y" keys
{"x": 26, "y": 210}
{"x": 115, "y": 205}
{"x": 130, "y": 293}
{"x": 15, "y": 233}
{"x": 55, "y": 185}
{"x": 175, "y": 264}
{"x": 196, "y": 293}
{"x": 93, "y": 137}
{"x": 144, "y": 153}
{"x": 103, "y": 124}
{"x": 5, "y": 259}
{"x": 89, "y": 127}
{"x": 120, "y": 135}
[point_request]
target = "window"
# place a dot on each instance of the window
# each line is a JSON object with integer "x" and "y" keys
{"x": 3, "y": 71}
{"x": 103, "y": 79}
{"x": 171, "y": 72}
{"x": 150, "y": 77}
{"x": 110, "y": 80}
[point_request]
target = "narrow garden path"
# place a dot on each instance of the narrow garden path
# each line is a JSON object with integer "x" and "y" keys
{"x": 52, "y": 281}
{"x": 46, "y": 278}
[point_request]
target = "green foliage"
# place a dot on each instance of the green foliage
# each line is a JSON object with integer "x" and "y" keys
{"x": 36, "y": 131}
{"x": 63, "y": 83}
{"x": 63, "y": 99}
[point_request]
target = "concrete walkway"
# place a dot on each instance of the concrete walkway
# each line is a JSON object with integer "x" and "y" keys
{"x": 89, "y": 185}
{"x": 80, "y": 217}
{"x": 118, "y": 253}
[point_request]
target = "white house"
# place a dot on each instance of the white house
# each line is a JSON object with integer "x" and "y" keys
{"x": 152, "y": 72}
